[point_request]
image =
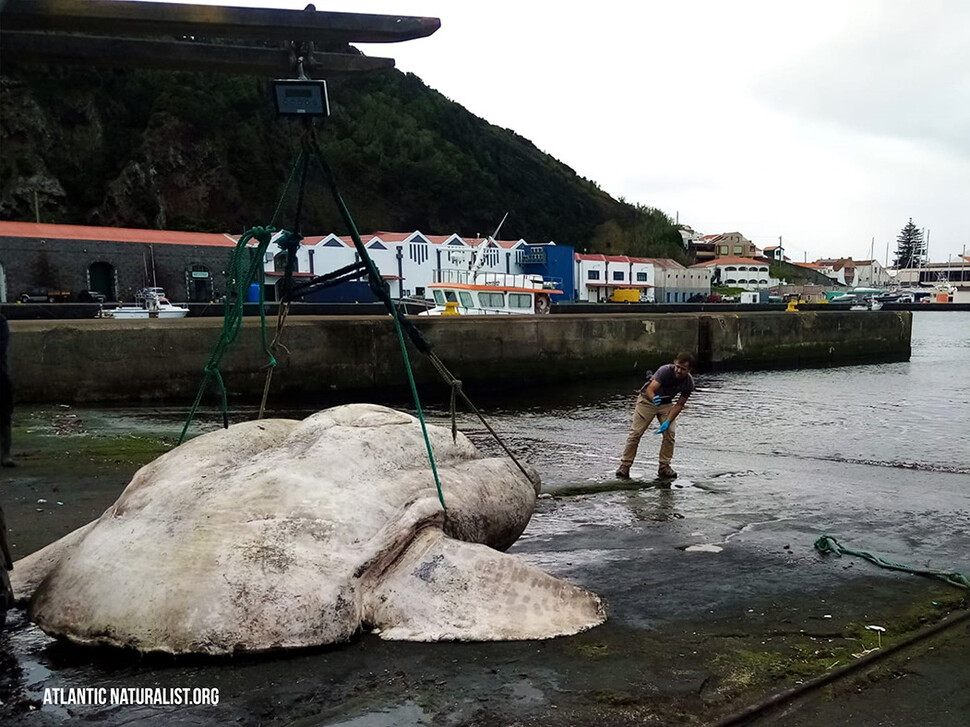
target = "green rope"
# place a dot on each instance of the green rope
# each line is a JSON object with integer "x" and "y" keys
{"x": 380, "y": 288}
{"x": 827, "y": 544}
{"x": 239, "y": 280}
{"x": 240, "y": 277}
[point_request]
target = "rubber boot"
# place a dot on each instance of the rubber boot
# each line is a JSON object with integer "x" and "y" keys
{"x": 6, "y": 441}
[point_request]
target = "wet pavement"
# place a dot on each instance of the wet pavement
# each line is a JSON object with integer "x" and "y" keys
{"x": 716, "y": 595}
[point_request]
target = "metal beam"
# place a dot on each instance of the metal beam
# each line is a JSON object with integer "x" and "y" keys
{"x": 24, "y": 47}
{"x": 122, "y": 17}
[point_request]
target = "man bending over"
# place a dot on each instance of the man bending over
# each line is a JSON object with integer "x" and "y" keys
{"x": 656, "y": 399}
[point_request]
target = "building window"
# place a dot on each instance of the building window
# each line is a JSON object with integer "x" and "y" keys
{"x": 617, "y": 275}
{"x": 722, "y": 249}
{"x": 418, "y": 252}
{"x": 641, "y": 277}
{"x": 738, "y": 249}
{"x": 593, "y": 275}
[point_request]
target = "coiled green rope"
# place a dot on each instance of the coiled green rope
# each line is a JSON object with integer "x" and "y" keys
{"x": 827, "y": 544}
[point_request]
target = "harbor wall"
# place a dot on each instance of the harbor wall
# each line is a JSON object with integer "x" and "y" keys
{"x": 107, "y": 361}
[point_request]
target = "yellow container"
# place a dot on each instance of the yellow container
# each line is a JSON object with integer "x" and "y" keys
{"x": 625, "y": 295}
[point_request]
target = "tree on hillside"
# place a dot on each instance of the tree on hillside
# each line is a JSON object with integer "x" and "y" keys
{"x": 641, "y": 232}
{"x": 910, "y": 247}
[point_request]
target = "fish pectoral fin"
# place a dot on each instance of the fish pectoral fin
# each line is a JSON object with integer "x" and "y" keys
{"x": 442, "y": 589}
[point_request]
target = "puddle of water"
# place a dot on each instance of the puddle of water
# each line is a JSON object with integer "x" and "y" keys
{"x": 405, "y": 715}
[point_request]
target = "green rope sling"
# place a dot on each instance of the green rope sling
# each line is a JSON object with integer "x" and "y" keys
{"x": 241, "y": 276}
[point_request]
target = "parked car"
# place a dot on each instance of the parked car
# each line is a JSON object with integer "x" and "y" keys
{"x": 91, "y": 296}
{"x": 45, "y": 295}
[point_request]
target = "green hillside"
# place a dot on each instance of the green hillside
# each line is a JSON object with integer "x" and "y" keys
{"x": 207, "y": 152}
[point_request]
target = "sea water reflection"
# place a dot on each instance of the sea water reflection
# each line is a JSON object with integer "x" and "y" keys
{"x": 913, "y": 414}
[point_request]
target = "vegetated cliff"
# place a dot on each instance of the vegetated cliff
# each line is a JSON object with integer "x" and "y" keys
{"x": 206, "y": 152}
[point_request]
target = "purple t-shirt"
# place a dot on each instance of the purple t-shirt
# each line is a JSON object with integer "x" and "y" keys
{"x": 670, "y": 385}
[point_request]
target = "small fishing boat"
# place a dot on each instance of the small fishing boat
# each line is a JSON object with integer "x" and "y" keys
{"x": 471, "y": 292}
{"x": 492, "y": 294}
{"x": 149, "y": 303}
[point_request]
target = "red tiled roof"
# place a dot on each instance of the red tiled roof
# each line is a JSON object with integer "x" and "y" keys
{"x": 115, "y": 234}
{"x": 582, "y": 256}
{"x": 387, "y": 236}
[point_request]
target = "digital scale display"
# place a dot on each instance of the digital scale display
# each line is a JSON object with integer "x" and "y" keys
{"x": 301, "y": 98}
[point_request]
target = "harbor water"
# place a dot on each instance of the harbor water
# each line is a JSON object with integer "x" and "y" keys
{"x": 876, "y": 455}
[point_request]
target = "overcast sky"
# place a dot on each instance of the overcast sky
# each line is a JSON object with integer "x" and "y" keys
{"x": 826, "y": 123}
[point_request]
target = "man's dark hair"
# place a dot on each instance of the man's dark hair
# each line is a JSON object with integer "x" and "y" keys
{"x": 685, "y": 357}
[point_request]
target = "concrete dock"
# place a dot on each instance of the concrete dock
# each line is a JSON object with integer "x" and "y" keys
{"x": 108, "y": 361}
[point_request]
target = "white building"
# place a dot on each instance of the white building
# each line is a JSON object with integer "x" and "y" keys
{"x": 739, "y": 272}
{"x": 409, "y": 261}
{"x": 871, "y": 274}
{"x": 659, "y": 280}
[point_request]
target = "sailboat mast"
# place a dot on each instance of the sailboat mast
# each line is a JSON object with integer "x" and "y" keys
{"x": 154, "y": 282}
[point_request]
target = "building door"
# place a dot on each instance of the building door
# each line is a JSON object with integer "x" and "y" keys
{"x": 200, "y": 284}
{"x": 101, "y": 278}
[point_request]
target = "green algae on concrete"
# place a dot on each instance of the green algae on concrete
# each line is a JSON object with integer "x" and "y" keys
{"x": 756, "y": 662}
{"x": 65, "y": 433}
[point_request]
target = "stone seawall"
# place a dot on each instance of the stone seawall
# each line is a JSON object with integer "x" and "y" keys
{"x": 106, "y": 361}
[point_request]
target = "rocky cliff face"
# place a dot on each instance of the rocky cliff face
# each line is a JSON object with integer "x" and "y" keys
{"x": 28, "y": 137}
{"x": 66, "y": 160}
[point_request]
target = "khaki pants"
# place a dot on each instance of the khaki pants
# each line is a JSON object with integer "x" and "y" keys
{"x": 643, "y": 414}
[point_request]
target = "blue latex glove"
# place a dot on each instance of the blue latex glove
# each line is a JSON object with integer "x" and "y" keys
{"x": 663, "y": 428}
{"x": 656, "y": 400}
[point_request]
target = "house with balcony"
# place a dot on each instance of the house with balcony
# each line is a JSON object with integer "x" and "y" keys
{"x": 739, "y": 272}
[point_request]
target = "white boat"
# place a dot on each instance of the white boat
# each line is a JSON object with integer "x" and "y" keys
{"x": 467, "y": 291}
{"x": 151, "y": 305}
{"x": 491, "y": 294}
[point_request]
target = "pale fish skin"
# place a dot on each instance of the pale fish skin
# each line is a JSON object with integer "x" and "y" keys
{"x": 279, "y": 534}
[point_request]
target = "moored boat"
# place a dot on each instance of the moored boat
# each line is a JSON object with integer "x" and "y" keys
{"x": 152, "y": 304}
{"x": 493, "y": 294}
